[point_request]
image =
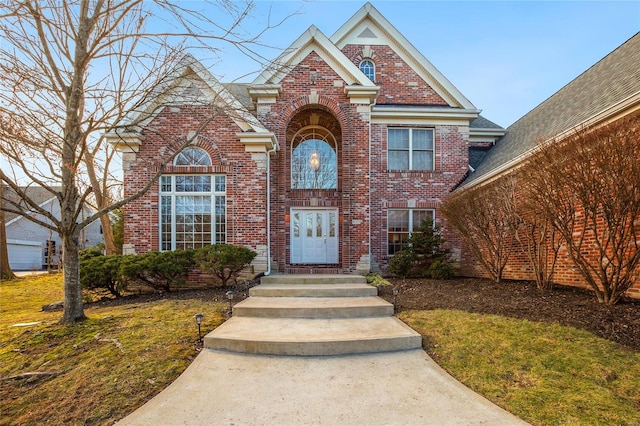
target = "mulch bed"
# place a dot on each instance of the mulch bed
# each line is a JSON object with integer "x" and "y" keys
{"x": 564, "y": 305}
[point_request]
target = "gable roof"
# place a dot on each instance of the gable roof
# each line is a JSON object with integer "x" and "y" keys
{"x": 609, "y": 87}
{"x": 369, "y": 27}
{"x": 313, "y": 40}
{"x": 38, "y": 194}
{"x": 189, "y": 82}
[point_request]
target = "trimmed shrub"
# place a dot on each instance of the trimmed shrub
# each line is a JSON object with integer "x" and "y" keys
{"x": 225, "y": 261}
{"x": 103, "y": 272}
{"x": 89, "y": 253}
{"x": 425, "y": 256}
{"x": 159, "y": 270}
{"x": 441, "y": 269}
{"x": 401, "y": 264}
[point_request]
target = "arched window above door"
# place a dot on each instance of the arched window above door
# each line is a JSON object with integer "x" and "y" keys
{"x": 314, "y": 159}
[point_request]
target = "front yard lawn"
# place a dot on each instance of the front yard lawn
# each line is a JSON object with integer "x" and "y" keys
{"x": 511, "y": 349}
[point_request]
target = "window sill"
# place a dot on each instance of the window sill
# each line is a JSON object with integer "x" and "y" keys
{"x": 406, "y": 173}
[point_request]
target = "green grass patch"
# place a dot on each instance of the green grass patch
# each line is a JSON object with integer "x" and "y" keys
{"x": 546, "y": 374}
{"x": 110, "y": 364}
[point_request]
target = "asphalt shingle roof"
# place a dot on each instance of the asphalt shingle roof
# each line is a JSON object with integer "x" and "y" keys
{"x": 614, "y": 78}
{"x": 482, "y": 123}
{"x": 36, "y": 193}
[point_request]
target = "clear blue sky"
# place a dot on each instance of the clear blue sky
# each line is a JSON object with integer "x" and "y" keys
{"x": 505, "y": 56}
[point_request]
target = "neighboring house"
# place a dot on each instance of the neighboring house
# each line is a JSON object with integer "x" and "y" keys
{"x": 324, "y": 163}
{"x": 606, "y": 92}
{"x": 33, "y": 247}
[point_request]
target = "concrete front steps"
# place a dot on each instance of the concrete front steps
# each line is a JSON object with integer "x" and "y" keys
{"x": 313, "y": 315}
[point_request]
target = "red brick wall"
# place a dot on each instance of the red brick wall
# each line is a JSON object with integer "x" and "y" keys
{"x": 246, "y": 183}
{"x": 423, "y": 189}
{"x": 310, "y": 88}
{"x": 519, "y": 268}
{"x": 399, "y": 83}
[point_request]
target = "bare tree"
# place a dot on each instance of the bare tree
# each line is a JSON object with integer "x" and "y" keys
{"x": 588, "y": 186}
{"x": 5, "y": 269}
{"x": 536, "y": 236}
{"x": 485, "y": 219}
{"x": 72, "y": 69}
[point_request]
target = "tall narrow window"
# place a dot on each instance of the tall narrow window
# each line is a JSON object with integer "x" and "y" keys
{"x": 368, "y": 68}
{"x": 192, "y": 211}
{"x": 192, "y": 207}
{"x": 314, "y": 161}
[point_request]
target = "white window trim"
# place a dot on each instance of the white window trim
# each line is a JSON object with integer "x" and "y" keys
{"x": 432, "y": 150}
{"x": 173, "y": 194}
{"x": 373, "y": 66}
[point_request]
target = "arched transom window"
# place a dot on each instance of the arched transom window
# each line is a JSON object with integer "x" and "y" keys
{"x": 192, "y": 157}
{"x": 368, "y": 68}
{"x": 314, "y": 159}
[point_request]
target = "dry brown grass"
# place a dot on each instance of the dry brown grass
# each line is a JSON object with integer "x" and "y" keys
{"x": 108, "y": 365}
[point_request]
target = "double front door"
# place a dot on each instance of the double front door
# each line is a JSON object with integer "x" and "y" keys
{"x": 314, "y": 236}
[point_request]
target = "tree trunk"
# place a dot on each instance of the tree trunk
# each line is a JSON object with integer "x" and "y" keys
{"x": 103, "y": 200}
{"x": 73, "y": 307}
{"x": 107, "y": 233}
{"x": 5, "y": 269}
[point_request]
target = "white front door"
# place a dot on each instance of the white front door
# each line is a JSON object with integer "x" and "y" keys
{"x": 314, "y": 236}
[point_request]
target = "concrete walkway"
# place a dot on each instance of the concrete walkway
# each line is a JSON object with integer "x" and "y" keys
{"x": 247, "y": 376}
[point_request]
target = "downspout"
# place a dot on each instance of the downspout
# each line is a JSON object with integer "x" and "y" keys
{"x": 369, "y": 193}
{"x": 269, "y": 152}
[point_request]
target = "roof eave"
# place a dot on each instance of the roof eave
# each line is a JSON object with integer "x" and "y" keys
{"x": 624, "y": 107}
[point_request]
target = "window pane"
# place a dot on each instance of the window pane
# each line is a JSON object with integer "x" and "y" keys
{"x": 193, "y": 183}
{"x": 398, "y": 160}
{"x": 314, "y": 165}
{"x": 192, "y": 220}
{"x": 165, "y": 183}
{"x": 398, "y": 220}
{"x": 398, "y": 139}
{"x": 221, "y": 183}
{"x": 398, "y": 230}
{"x": 422, "y": 160}
{"x": 296, "y": 225}
{"x": 368, "y": 68}
{"x": 422, "y": 139}
{"x": 332, "y": 224}
{"x": 165, "y": 220}
{"x": 309, "y": 225}
{"x": 419, "y": 216}
{"x": 193, "y": 157}
{"x": 318, "y": 224}
{"x": 221, "y": 220}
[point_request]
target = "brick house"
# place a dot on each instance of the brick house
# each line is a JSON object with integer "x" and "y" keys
{"x": 324, "y": 163}
{"x": 330, "y": 157}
